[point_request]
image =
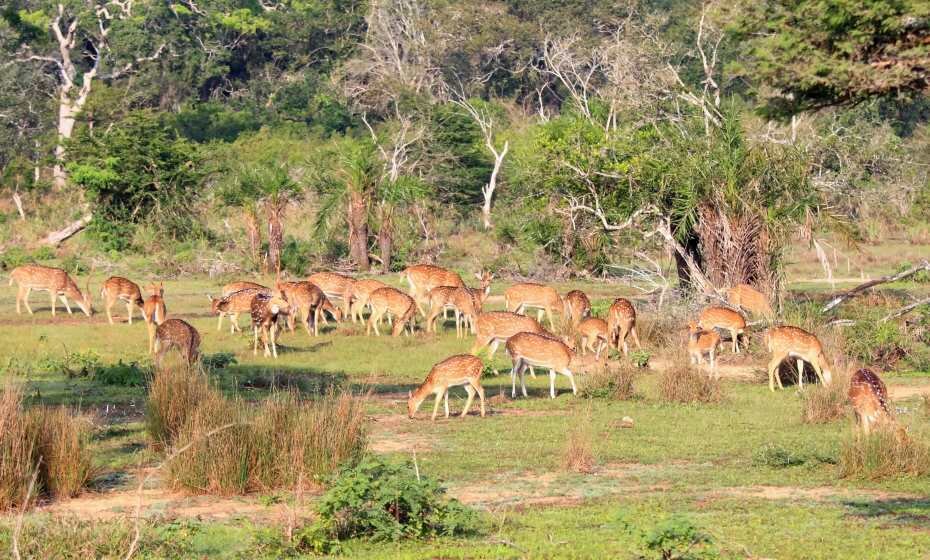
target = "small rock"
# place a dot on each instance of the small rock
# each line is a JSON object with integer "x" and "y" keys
{"x": 626, "y": 422}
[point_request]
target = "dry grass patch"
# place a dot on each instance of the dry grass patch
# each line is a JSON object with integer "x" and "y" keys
{"x": 681, "y": 382}
{"x": 826, "y": 403}
{"x": 174, "y": 392}
{"x": 888, "y": 452}
{"x": 578, "y": 455}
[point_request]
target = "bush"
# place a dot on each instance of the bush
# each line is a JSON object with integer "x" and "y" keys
{"x": 823, "y": 404}
{"x": 609, "y": 383}
{"x": 218, "y": 360}
{"x": 287, "y": 441}
{"x": 295, "y": 256}
{"x": 48, "y": 443}
{"x": 578, "y": 455}
{"x": 175, "y": 391}
{"x": 888, "y": 452}
{"x": 682, "y": 383}
{"x": 777, "y": 457}
{"x": 389, "y": 502}
{"x": 677, "y": 537}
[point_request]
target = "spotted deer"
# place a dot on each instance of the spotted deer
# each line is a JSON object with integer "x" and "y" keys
{"x": 424, "y": 277}
{"x": 594, "y": 336}
{"x": 494, "y": 327}
{"x": 519, "y": 298}
{"x": 702, "y": 343}
{"x": 540, "y": 350}
{"x": 725, "y": 319}
{"x": 744, "y": 296}
{"x": 463, "y": 369}
{"x": 793, "y": 342}
{"x": 306, "y": 302}
{"x": 869, "y": 398}
{"x": 397, "y": 303}
{"x": 336, "y": 287}
{"x": 233, "y": 305}
{"x": 264, "y": 311}
{"x": 577, "y": 307}
{"x": 179, "y": 334}
{"x": 154, "y": 311}
{"x": 465, "y": 302}
{"x": 240, "y": 285}
{"x": 361, "y": 291}
{"x": 55, "y": 281}
{"x": 117, "y": 288}
{"x": 621, "y": 323}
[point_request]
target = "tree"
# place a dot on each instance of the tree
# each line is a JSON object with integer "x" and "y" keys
{"x": 485, "y": 122}
{"x": 817, "y": 53}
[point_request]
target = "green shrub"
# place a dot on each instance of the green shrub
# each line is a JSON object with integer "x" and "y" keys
{"x": 777, "y": 457}
{"x": 219, "y": 360}
{"x": 87, "y": 364}
{"x": 678, "y": 538}
{"x": 609, "y": 383}
{"x": 295, "y": 256}
{"x": 121, "y": 375}
{"x": 388, "y": 502}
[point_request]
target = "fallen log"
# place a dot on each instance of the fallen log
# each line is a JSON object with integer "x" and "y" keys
{"x": 925, "y": 265}
{"x": 55, "y": 238}
{"x": 906, "y": 309}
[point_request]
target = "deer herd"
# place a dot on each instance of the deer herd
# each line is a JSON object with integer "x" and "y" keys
{"x": 527, "y": 342}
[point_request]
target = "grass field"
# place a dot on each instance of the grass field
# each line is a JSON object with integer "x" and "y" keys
{"x": 711, "y": 463}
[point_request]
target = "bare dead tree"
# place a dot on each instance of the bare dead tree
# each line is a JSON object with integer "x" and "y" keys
{"x": 485, "y": 122}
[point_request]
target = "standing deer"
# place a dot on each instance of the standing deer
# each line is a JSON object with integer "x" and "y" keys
{"x": 521, "y": 297}
{"x": 154, "y": 311}
{"x": 784, "y": 342}
{"x": 594, "y": 336}
{"x": 117, "y": 288}
{"x": 335, "y": 286}
{"x": 531, "y": 349}
{"x": 176, "y": 333}
{"x": 55, "y": 281}
{"x": 306, "y": 302}
{"x": 395, "y": 302}
{"x": 264, "y": 311}
{"x": 234, "y": 304}
{"x": 234, "y": 287}
{"x": 495, "y": 327}
{"x": 463, "y": 369}
{"x": 621, "y": 323}
{"x": 744, "y": 296}
{"x": 361, "y": 291}
{"x": 701, "y": 343}
{"x": 577, "y": 307}
{"x": 869, "y": 398}
{"x": 465, "y": 302}
{"x": 724, "y": 319}
{"x": 424, "y": 277}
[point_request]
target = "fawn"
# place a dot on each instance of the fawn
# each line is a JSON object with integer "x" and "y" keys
{"x": 335, "y": 286}
{"x": 55, "y": 281}
{"x": 784, "y": 342}
{"x": 176, "y": 333}
{"x": 234, "y": 304}
{"x": 529, "y": 295}
{"x": 869, "y": 398}
{"x": 701, "y": 343}
{"x": 463, "y": 369}
{"x": 264, "y": 311}
{"x": 540, "y": 350}
{"x": 746, "y": 297}
{"x": 154, "y": 311}
{"x": 117, "y": 288}
{"x": 594, "y": 336}
{"x": 395, "y": 302}
{"x": 577, "y": 307}
{"x": 621, "y": 323}
{"x": 725, "y": 319}
{"x": 424, "y": 277}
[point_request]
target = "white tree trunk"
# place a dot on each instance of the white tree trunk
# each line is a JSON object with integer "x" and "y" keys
{"x": 488, "y": 190}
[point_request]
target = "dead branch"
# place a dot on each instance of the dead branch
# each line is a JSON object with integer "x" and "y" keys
{"x": 925, "y": 265}
{"x": 55, "y": 238}
{"x": 906, "y": 309}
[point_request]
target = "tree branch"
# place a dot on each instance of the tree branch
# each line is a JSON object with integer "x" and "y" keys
{"x": 925, "y": 265}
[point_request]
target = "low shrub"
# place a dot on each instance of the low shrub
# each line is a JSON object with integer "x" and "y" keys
{"x": 218, "y": 360}
{"x": 121, "y": 375}
{"x": 888, "y": 452}
{"x": 678, "y": 537}
{"x": 578, "y": 455}
{"x": 683, "y": 383}
{"x": 777, "y": 457}
{"x": 609, "y": 383}
{"x": 49, "y": 444}
{"x": 826, "y": 403}
{"x": 174, "y": 392}
{"x": 386, "y": 501}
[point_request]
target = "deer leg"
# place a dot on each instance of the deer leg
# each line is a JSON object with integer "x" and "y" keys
{"x": 219, "y": 324}
{"x": 551, "y": 322}
{"x": 735, "y": 336}
{"x": 436, "y": 406}
{"x": 800, "y": 373}
{"x": 571, "y": 377}
{"x": 471, "y": 396}
{"x": 255, "y": 345}
{"x": 54, "y": 297}
{"x": 430, "y": 320}
{"x": 635, "y": 337}
{"x": 233, "y": 323}
{"x": 773, "y": 367}
{"x": 513, "y": 379}
{"x": 64, "y": 300}
{"x": 551, "y": 383}
{"x": 480, "y": 391}
{"x": 819, "y": 371}
{"x": 584, "y": 346}
{"x": 108, "y": 306}
{"x": 523, "y": 379}
{"x": 273, "y": 331}
{"x": 446, "y": 401}
{"x": 151, "y": 329}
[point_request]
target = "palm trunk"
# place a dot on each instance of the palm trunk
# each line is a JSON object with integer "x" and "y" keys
{"x": 358, "y": 230}
{"x": 254, "y": 234}
{"x": 386, "y": 238}
{"x": 275, "y": 236}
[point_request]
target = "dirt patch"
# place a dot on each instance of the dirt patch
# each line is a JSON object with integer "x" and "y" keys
{"x": 739, "y": 371}
{"x": 901, "y": 392}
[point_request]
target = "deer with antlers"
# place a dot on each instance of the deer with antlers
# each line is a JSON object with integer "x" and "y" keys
{"x": 424, "y": 277}
{"x": 621, "y": 323}
{"x": 461, "y": 370}
{"x": 793, "y": 342}
{"x": 540, "y": 350}
{"x": 179, "y": 334}
{"x": 55, "y": 281}
{"x": 395, "y": 302}
{"x": 725, "y": 319}
{"x": 117, "y": 288}
{"x": 264, "y": 311}
{"x": 154, "y": 311}
{"x": 522, "y": 297}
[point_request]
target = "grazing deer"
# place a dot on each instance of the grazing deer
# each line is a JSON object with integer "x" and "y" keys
{"x": 594, "y": 336}
{"x": 577, "y": 307}
{"x": 55, "y": 281}
{"x": 463, "y": 369}
{"x": 521, "y": 297}
{"x": 724, "y": 319}
{"x": 361, "y": 291}
{"x": 175, "y": 333}
{"x": 264, "y": 310}
{"x": 702, "y": 343}
{"x": 234, "y": 287}
{"x": 395, "y": 302}
{"x": 744, "y": 296}
{"x": 621, "y": 323}
{"x": 234, "y": 304}
{"x": 495, "y": 327}
{"x": 335, "y": 286}
{"x": 424, "y": 277}
{"x": 306, "y": 302}
{"x": 154, "y": 311}
{"x": 465, "y": 302}
{"x": 869, "y": 398}
{"x": 784, "y": 342}
{"x": 540, "y": 350}
{"x": 117, "y": 288}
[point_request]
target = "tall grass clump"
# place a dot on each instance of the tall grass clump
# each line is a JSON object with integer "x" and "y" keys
{"x": 174, "y": 392}
{"x": 615, "y": 383}
{"x": 578, "y": 455}
{"x": 826, "y": 403}
{"x": 230, "y": 447}
{"x": 888, "y": 452}
{"x": 681, "y": 382}
{"x": 49, "y": 444}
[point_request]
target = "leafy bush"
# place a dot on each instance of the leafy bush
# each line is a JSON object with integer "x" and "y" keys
{"x": 389, "y": 502}
{"x": 777, "y": 457}
{"x": 121, "y": 375}
{"x": 683, "y": 383}
{"x": 881, "y": 344}
{"x": 295, "y": 256}
{"x": 219, "y": 360}
{"x": 888, "y": 452}
{"x": 609, "y": 383}
{"x": 678, "y": 538}
{"x": 87, "y": 364}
